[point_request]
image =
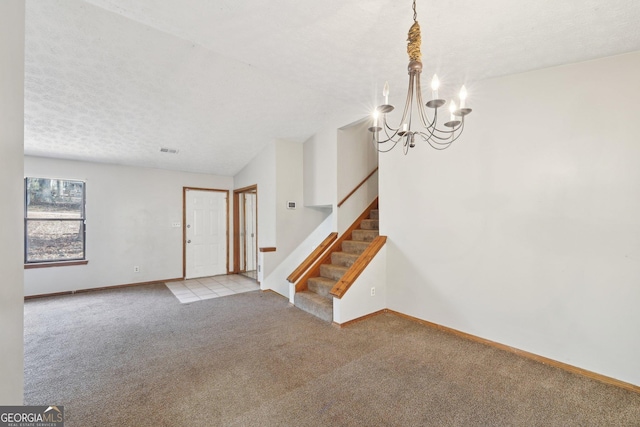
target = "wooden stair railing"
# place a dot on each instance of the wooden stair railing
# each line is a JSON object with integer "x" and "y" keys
{"x": 358, "y": 267}
{"x": 341, "y": 202}
{"x": 313, "y": 256}
{"x": 314, "y": 271}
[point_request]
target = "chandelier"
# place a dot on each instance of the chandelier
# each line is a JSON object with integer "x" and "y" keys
{"x": 438, "y": 138}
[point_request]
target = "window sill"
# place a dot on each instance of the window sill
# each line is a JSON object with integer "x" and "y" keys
{"x": 55, "y": 264}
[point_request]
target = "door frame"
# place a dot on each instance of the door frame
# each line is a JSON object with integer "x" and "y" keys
{"x": 184, "y": 224}
{"x": 236, "y": 224}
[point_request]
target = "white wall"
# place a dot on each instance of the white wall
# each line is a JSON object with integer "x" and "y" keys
{"x": 320, "y": 168}
{"x": 336, "y": 160}
{"x": 358, "y": 301}
{"x": 527, "y": 230}
{"x": 356, "y": 204}
{"x": 356, "y": 156}
{"x": 129, "y": 216}
{"x": 277, "y": 280}
{"x": 261, "y": 171}
{"x": 293, "y": 225}
{"x": 278, "y": 172}
{"x": 12, "y": 14}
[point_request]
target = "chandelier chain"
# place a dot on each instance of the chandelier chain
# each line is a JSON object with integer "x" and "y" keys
{"x": 415, "y": 14}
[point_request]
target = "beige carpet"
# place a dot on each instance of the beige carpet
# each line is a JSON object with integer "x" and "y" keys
{"x": 137, "y": 357}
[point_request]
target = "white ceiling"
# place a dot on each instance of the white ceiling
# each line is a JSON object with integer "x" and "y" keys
{"x": 115, "y": 80}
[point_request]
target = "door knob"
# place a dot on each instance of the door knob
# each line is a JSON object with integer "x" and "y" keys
{"x": 188, "y": 241}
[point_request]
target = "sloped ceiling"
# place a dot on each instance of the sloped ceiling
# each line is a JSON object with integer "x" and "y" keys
{"x": 115, "y": 80}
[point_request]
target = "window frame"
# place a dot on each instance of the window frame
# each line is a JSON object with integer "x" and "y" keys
{"x": 82, "y": 220}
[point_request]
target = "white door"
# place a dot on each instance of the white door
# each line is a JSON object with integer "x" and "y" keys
{"x": 206, "y": 233}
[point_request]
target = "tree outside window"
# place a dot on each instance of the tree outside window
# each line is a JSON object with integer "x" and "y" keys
{"x": 54, "y": 221}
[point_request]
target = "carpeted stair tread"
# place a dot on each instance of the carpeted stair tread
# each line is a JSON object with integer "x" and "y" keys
{"x": 321, "y": 286}
{"x": 317, "y": 299}
{"x": 364, "y": 235}
{"x": 315, "y": 304}
{"x": 354, "y": 246}
{"x": 343, "y": 258}
{"x": 369, "y": 224}
{"x": 332, "y": 271}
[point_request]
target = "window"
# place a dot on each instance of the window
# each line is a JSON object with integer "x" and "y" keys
{"x": 54, "y": 220}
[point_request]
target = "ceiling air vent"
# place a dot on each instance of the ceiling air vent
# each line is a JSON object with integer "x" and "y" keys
{"x": 168, "y": 150}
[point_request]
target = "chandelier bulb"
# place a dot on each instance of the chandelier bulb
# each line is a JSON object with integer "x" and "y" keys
{"x": 385, "y": 93}
{"x": 375, "y": 118}
{"x": 463, "y": 96}
{"x": 435, "y": 84}
{"x": 452, "y": 110}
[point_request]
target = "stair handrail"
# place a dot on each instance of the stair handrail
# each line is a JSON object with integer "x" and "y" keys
{"x": 301, "y": 284}
{"x": 313, "y": 256}
{"x": 350, "y": 276}
{"x": 341, "y": 202}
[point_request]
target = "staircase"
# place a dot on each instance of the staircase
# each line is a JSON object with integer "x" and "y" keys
{"x": 317, "y": 298}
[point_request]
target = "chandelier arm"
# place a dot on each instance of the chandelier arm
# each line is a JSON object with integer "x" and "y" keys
{"x": 376, "y": 138}
{"x": 386, "y": 129}
{"x": 436, "y": 145}
{"x": 406, "y": 145}
{"x": 452, "y": 137}
{"x": 424, "y": 117}
{"x": 385, "y": 126}
{"x": 384, "y": 141}
{"x": 433, "y": 139}
{"x": 408, "y": 106}
{"x": 431, "y": 126}
{"x": 376, "y": 144}
{"x": 439, "y": 147}
{"x": 447, "y": 133}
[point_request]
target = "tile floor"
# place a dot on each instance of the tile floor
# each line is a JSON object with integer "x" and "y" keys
{"x": 253, "y": 274}
{"x": 203, "y": 288}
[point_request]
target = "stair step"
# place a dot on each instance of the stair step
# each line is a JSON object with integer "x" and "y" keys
{"x": 332, "y": 271}
{"x": 364, "y": 235}
{"x": 374, "y": 214}
{"x": 314, "y": 304}
{"x": 354, "y": 246}
{"x": 369, "y": 224}
{"x": 321, "y": 286}
{"x": 343, "y": 258}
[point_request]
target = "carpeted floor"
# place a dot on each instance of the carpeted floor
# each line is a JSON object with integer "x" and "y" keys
{"x": 137, "y": 357}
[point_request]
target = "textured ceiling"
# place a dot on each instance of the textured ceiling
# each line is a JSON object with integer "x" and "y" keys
{"x": 115, "y": 80}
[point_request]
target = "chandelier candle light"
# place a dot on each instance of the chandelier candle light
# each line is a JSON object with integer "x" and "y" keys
{"x": 438, "y": 138}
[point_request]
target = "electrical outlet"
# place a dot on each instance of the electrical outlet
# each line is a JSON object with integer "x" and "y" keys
{"x": 136, "y": 269}
{"x": 373, "y": 292}
{"x": 175, "y": 224}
